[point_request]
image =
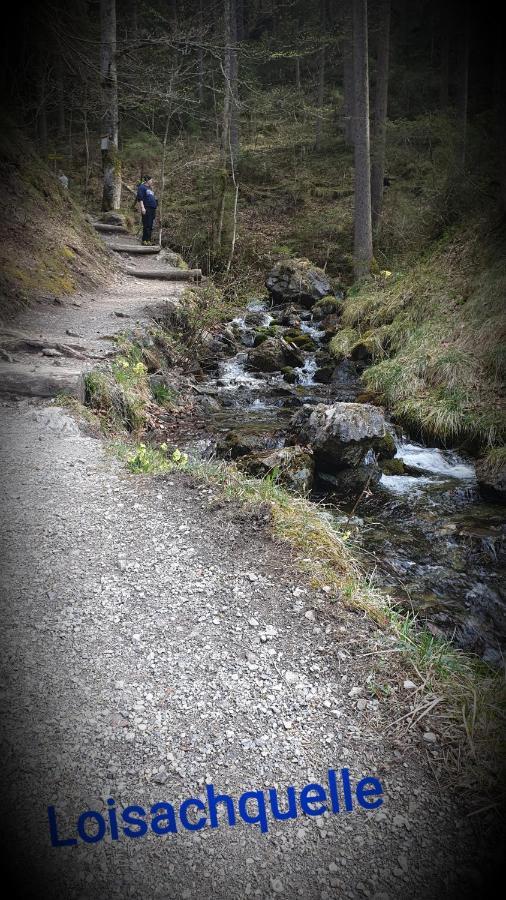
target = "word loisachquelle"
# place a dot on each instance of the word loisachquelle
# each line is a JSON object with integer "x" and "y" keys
{"x": 337, "y": 795}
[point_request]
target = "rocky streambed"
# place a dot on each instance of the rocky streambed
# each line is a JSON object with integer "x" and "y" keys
{"x": 278, "y": 402}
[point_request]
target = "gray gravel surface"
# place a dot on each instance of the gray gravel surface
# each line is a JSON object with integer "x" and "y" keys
{"x": 156, "y": 639}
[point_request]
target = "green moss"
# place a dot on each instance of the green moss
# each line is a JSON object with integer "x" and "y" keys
{"x": 300, "y": 339}
{"x": 341, "y": 344}
{"x": 392, "y": 466}
{"x": 328, "y": 306}
{"x": 436, "y": 336}
{"x": 289, "y": 375}
{"x": 263, "y": 333}
{"x": 120, "y": 400}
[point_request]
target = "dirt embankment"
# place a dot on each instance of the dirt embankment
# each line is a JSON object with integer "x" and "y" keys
{"x": 47, "y": 247}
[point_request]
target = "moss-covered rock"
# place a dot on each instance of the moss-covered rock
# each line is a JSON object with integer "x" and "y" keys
{"x": 301, "y": 340}
{"x": 297, "y": 280}
{"x": 324, "y": 374}
{"x": 262, "y": 334}
{"x": 327, "y": 306}
{"x": 392, "y": 467}
{"x": 343, "y": 435}
{"x": 289, "y": 374}
{"x": 341, "y": 344}
{"x": 274, "y": 354}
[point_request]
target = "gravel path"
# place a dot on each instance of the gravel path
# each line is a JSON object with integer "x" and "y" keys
{"x": 149, "y": 631}
{"x": 157, "y": 640}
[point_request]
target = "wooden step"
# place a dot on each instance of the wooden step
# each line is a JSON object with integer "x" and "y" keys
{"x": 41, "y": 381}
{"x": 166, "y": 274}
{"x": 134, "y": 249}
{"x": 110, "y": 229}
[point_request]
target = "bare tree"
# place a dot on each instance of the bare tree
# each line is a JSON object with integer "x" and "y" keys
{"x": 500, "y": 113}
{"x": 463, "y": 85}
{"x": 41, "y": 114}
{"x": 348, "y": 100}
{"x": 234, "y": 84}
{"x": 226, "y": 77}
{"x": 444, "y": 59}
{"x": 111, "y": 164}
{"x": 380, "y": 113}
{"x": 200, "y": 56}
{"x": 321, "y": 76}
{"x": 362, "y": 248}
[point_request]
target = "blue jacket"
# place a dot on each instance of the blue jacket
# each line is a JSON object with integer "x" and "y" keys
{"x": 147, "y": 196}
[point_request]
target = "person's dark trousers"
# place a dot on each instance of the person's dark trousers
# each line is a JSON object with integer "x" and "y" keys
{"x": 147, "y": 223}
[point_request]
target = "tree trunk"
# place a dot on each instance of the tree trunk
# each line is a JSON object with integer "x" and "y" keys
{"x": 111, "y": 164}
{"x": 134, "y": 20}
{"x": 173, "y": 14}
{"x": 234, "y": 85}
{"x": 444, "y": 60}
{"x": 42, "y": 114}
{"x": 500, "y": 114}
{"x": 162, "y": 180}
{"x": 297, "y": 73}
{"x": 226, "y": 77}
{"x": 463, "y": 86}
{"x": 240, "y": 20}
{"x": 60, "y": 92}
{"x": 380, "y": 113}
{"x": 348, "y": 98}
{"x": 362, "y": 248}
{"x": 200, "y": 57}
{"x": 321, "y": 77}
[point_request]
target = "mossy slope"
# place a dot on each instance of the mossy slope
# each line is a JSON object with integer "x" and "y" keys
{"x": 47, "y": 248}
{"x": 436, "y": 336}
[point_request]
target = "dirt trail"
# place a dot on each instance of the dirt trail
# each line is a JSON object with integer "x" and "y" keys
{"x": 157, "y": 640}
{"x": 85, "y": 323}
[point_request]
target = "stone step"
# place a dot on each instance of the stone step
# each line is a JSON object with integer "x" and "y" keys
{"x": 134, "y": 249}
{"x": 42, "y": 381}
{"x": 166, "y": 274}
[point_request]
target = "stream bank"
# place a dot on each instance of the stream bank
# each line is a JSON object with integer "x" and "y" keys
{"x": 415, "y": 512}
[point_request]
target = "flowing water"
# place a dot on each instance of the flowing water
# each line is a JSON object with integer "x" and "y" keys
{"x": 428, "y": 536}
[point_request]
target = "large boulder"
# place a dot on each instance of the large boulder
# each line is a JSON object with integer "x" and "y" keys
{"x": 342, "y": 435}
{"x": 274, "y": 354}
{"x": 294, "y": 466}
{"x": 299, "y": 281}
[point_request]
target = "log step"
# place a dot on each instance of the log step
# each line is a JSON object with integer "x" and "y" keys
{"x": 134, "y": 249}
{"x": 110, "y": 229}
{"x": 166, "y": 274}
{"x": 41, "y": 382}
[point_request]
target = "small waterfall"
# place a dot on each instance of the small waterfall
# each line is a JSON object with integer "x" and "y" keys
{"x": 233, "y": 373}
{"x": 404, "y": 484}
{"x": 305, "y": 373}
{"x": 311, "y": 330}
{"x": 433, "y": 461}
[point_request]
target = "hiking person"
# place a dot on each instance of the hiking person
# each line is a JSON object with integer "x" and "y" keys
{"x": 147, "y": 205}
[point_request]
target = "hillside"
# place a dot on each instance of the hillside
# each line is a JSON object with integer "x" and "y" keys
{"x": 47, "y": 247}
